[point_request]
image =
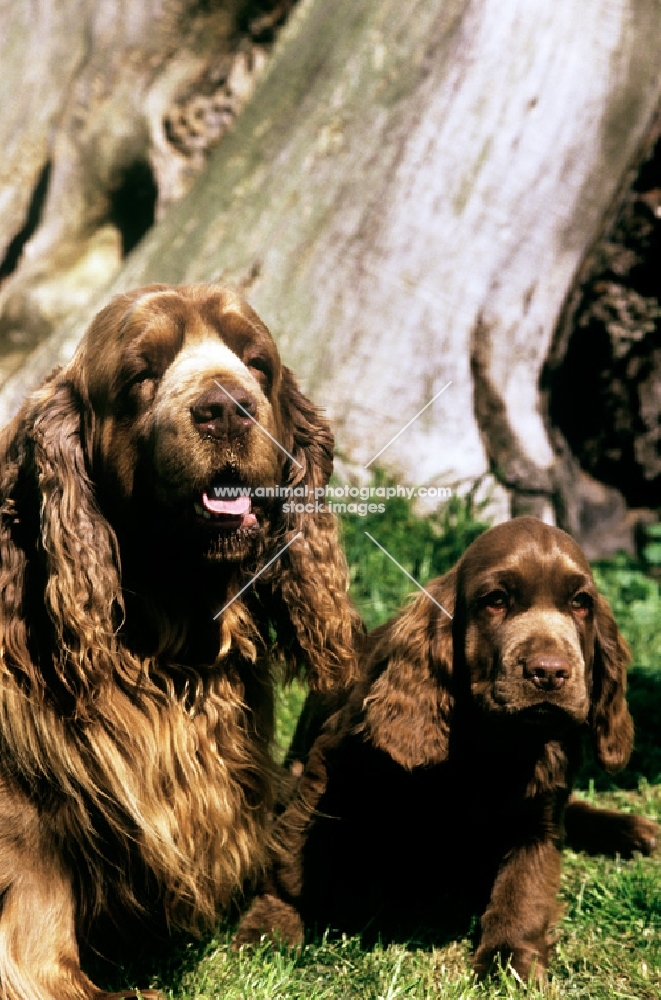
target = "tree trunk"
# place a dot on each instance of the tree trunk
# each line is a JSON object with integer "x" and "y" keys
{"x": 110, "y": 109}
{"x": 407, "y": 200}
{"x": 603, "y": 376}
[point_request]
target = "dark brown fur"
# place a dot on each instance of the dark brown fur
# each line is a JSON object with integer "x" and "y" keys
{"x": 135, "y": 726}
{"x": 437, "y": 788}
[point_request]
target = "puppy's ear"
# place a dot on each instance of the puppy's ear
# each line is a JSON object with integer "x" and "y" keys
{"x": 611, "y": 724}
{"x": 409, "y": 706}
{"x": 311, "y": 578}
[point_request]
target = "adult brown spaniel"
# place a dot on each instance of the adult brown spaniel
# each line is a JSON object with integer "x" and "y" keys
{"x": 142, "y": 614}
{"x": 437, "y": 788}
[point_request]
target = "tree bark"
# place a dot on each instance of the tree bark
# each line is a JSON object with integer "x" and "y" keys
{"x": 112, "y": 107}
{"x": 406, "y": 201}
{"x": 603, "y": 375}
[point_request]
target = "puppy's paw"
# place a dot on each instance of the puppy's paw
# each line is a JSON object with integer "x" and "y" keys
{"x": 525, "y": 962}
{"x": 641, "y": 834}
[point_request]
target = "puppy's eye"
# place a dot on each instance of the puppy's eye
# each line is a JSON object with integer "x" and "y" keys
{"x": 496, "y": 602}
{"x": 581, "y": 603}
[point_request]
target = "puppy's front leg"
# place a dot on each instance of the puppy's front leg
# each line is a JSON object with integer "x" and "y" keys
{"x": 607, "y": 831}
{"x": 521, "y": 911}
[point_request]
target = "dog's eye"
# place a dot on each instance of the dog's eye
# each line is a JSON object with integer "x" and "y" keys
{"x": 145, "y": 376}
{"x": 140, "y": 388}
{"x": 581, "y": 603}
{"x": 496, "y": 601}
{"x": 260, "y": 368}
{"x": 142, "y": 381}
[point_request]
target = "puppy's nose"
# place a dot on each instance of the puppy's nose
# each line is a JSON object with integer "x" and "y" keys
{"x": 224, "y": 412}
{"x": 548, "y": 673}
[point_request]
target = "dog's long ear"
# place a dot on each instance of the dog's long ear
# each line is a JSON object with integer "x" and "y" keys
{"x": 409, "y": 706}
{"x": 55, "y": 538}
{"x": 309, "y": 439}
{"x": 18, "y": 530}
{"x": 311, "y": 577}
{"x": 611, "y": 723}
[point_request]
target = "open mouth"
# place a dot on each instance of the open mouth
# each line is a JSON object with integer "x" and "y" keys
{"x": 226, "y": 513}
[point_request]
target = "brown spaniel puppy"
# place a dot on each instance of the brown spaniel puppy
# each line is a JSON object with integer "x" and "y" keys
{"x": 436, "y": 789}
{"x": 142, "y": 611}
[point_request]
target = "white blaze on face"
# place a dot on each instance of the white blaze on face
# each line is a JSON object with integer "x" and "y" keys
{"x": 196, "y": 369}
{"x": 181, "y": 452}
{"x": 215, "y": 360}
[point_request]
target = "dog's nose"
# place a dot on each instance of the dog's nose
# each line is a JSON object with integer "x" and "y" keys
{"x": 548, "y": 673}
{"x": 224, "y": 412}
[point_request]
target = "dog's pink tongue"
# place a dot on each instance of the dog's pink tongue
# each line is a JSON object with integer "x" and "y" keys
{"x": 237, "y": 507}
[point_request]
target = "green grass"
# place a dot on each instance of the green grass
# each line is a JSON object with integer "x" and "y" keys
{"x": 608, "y": 946}
{"x": 426, "y": 547}
{"x": 609, "y": 935}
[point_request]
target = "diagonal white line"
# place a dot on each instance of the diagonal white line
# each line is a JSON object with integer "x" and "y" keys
{"x": 406, "y": 573}
{"x": 243, "y": 410}
{"x": 406, "y": 425}
{"x": 258, "y": 574}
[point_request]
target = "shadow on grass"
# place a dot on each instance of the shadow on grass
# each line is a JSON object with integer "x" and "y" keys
{"x": 644, "y": 697}
{"x": 143, "y": 962}
{"x": 417, "y": 932}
